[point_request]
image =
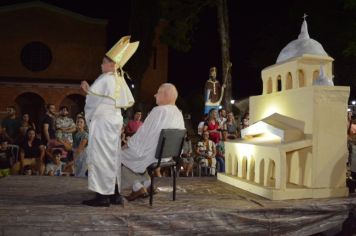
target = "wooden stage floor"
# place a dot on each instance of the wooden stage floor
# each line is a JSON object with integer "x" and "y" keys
{"x": 41, "y": 205}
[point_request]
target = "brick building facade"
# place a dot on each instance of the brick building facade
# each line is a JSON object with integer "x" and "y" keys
{"x": 46, "y": 51}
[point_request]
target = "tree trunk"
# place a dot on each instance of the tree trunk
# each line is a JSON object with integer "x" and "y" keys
{"x": 223, "y": 28}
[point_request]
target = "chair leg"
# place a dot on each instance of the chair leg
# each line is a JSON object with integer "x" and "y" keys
{"x": 151, "y": 188}
{"x": 174, "y": 183}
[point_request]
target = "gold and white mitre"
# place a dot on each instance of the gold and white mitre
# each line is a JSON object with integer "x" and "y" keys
{"x": 120, "y": 53}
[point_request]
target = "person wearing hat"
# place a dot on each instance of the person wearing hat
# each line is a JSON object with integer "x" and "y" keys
{"x": 213, "y": 92}
{"x": 105, "y": 98}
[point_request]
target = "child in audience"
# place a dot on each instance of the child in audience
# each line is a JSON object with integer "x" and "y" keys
{"x": 54, "y": 167}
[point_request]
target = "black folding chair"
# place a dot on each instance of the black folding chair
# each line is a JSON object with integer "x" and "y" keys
{"x": 170, "y": 144}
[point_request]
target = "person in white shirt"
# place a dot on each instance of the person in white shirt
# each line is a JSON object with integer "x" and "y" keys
{"x": 141, "y": 147}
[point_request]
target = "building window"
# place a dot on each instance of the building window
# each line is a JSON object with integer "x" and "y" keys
{"x": 269, "y": 85}
{"x": 289, "y": 81}
{"x": 279, "y": 83}
{"x": 36, "y": 56}
{"x": 301, "y": 78}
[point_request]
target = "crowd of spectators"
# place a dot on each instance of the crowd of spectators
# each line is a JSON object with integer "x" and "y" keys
{"x": 58, "y": 145}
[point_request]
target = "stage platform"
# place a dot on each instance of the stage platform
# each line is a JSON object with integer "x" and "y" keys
{"x": 41, "y": 205}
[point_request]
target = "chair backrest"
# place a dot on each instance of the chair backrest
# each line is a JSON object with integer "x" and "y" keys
{"x": 170, "y": 143}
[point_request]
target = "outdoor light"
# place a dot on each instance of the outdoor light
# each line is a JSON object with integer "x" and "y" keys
{"x": 220, "y": 107}
{"x": 132, "y": 86}
{"x": 353, "y": 102}
{"x": 232, "y": 101}
{"x": 348, "y": 109}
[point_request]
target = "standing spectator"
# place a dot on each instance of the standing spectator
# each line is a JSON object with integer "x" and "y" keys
{"x": 5, "y": 159}
{"x": 212, "y": 126}
{"x": 222, "y": 117}
{"x": 231, "y": 127}
{"x": 64, "y": 126}
{"x": 48, "y": 125}
{"x": 352, "y": 147}
{"x": 133, "y": 125}
{"x": 11, "y": 124}
{"x": 32, "y": 153}
{"x": 206, "y": 152}
{"x": 201, "y": 125}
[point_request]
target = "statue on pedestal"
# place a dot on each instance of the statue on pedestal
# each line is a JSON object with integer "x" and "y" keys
{"x": 213, "y": 91}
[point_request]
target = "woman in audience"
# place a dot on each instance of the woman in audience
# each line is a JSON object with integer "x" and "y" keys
{"x": 245, "y": 120}
{"x": 32, "y": 153}
{"x": 26, "y": 123}
{"x": 212, "y": 126}
{"x": 80, "y": 142}
{"x": 231, "y": 127}
{"x": 187, "y": 156}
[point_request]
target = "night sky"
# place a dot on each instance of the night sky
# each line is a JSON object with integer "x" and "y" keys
{"x": 258, "y": 31}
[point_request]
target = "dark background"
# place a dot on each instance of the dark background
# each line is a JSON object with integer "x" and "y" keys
{"x": 258, "y": 30}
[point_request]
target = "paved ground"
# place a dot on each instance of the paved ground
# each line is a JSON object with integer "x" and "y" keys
{"x": 35, "y": 205}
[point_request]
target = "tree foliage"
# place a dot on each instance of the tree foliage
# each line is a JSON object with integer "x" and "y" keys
{"x": 182, "y": 17}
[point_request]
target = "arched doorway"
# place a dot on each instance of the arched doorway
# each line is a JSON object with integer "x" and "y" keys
{"x": 75, "y": 104}
{"x": 33, "y": 104}
{"x": 289, "y": 81}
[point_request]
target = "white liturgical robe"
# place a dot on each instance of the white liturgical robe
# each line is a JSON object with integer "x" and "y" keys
{"x": 142, "y": 145}
{"x": 104, "y": 120}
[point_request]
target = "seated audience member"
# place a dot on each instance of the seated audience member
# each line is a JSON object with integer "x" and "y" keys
{"x": 80, "y": 142}
{"x": 220, "y": 152}
{"x": 206, "y": 152}
{"x": 245, "y": 120}
{"x": 187, "y": 159}
{"x": 32, "y": 153}
{"x": 212, "y": 126}
{"x": 231, "y": 127}
{"x": 133, "y": 125}
{"x": 6, "y": 160}
{"x": 141, "y": 147}
{"x": 25, "y": 124}
{"x": 54, "y": 166}
{"x": 66, "y": 155}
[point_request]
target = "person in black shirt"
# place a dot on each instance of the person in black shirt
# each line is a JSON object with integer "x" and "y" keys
{"x": 32, "y": 153}
{"x": 48, "y": 125}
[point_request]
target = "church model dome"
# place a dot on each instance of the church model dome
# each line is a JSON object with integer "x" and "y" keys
{"x": 303, "y": 45}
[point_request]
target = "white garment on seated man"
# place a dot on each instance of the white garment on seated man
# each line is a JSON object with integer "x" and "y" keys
{"x": 143, "y": 144}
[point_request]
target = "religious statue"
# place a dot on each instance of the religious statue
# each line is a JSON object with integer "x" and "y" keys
{"x": 213, "y": 91}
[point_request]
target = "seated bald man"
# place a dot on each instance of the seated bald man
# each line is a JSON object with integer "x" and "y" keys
{"x": 142, "y": 145}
